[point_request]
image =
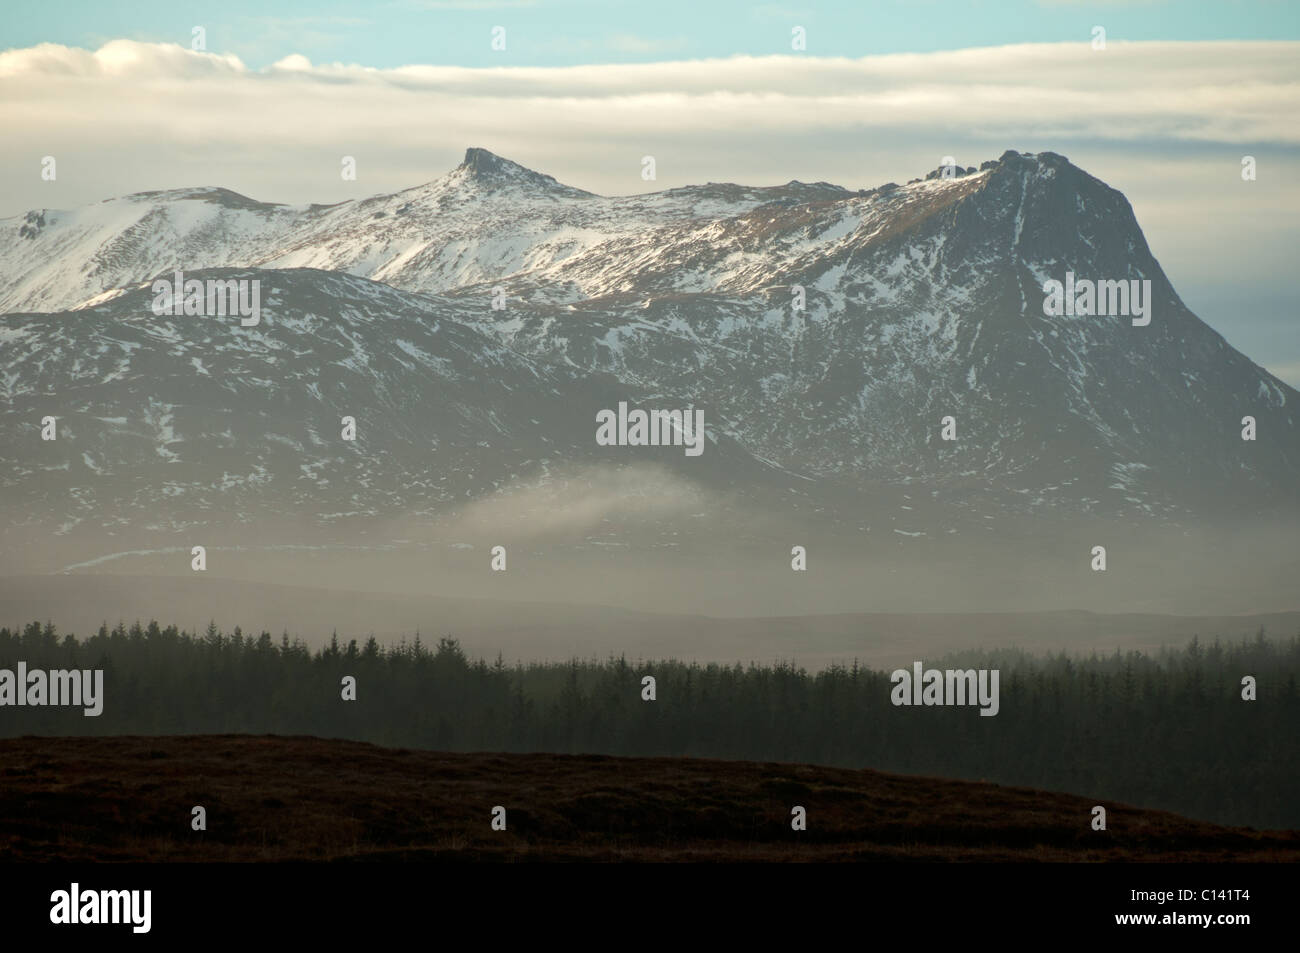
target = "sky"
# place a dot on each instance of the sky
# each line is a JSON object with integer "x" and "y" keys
{"x": 583, "y": 90}
{"x": 390, "y": 33}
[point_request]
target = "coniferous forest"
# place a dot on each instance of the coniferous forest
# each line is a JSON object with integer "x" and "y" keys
{"x": 1166, "y": 730}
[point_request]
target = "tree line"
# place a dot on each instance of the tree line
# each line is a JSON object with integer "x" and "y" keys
{"x": 1168, "y": 729}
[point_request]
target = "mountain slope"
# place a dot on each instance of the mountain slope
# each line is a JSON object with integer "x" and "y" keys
{"x": 175, "y": 421}
{"x": 926, "y": 301}
{"x": 485, "y": 219}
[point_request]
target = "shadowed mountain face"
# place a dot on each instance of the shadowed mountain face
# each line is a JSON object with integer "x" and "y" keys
{"x": 476, "y": 325}
{"x": 927, "y": 301}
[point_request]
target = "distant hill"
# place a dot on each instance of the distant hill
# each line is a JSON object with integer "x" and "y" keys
{"x": 530, "y": 629}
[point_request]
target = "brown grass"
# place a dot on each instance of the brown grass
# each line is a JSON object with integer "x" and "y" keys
{"x": 274, "y": 798}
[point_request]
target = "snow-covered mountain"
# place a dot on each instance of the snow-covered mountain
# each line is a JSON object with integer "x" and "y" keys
{"x": 920, "y": 302}
{"x": 486, "y": 219}
{"x": 173, "y": 421}
{"x": 926, "y": 301}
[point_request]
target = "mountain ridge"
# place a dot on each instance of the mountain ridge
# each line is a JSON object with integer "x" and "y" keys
{"x": 828, "y": 336}
{"x": 302, "y": 235}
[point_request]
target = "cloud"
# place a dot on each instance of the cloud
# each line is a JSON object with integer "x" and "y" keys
{"x": 582, "y": 501}
{"x": 185, "y": 117}
{"x": 125, "y": 61}
{"x": 1209, "y": 92}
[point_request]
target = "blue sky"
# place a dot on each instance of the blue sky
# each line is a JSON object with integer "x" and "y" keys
{"x": 389, "y": 33}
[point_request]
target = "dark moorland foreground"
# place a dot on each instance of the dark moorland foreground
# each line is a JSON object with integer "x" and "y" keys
{"x": 274, "y": 798}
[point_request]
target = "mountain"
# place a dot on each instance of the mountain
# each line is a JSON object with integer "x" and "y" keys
{"x": 173, "y": 421}
{"x": 925, "y": 301}
{"x": 486, "y": 219}
{"x": 920, "y": 301}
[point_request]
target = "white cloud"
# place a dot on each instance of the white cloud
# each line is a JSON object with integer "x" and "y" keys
{"x": 126, "y": 61}
{"x": 1207, "y": 92}
{"x": 295, "y": 62}
{"x": 203, "y": 118}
